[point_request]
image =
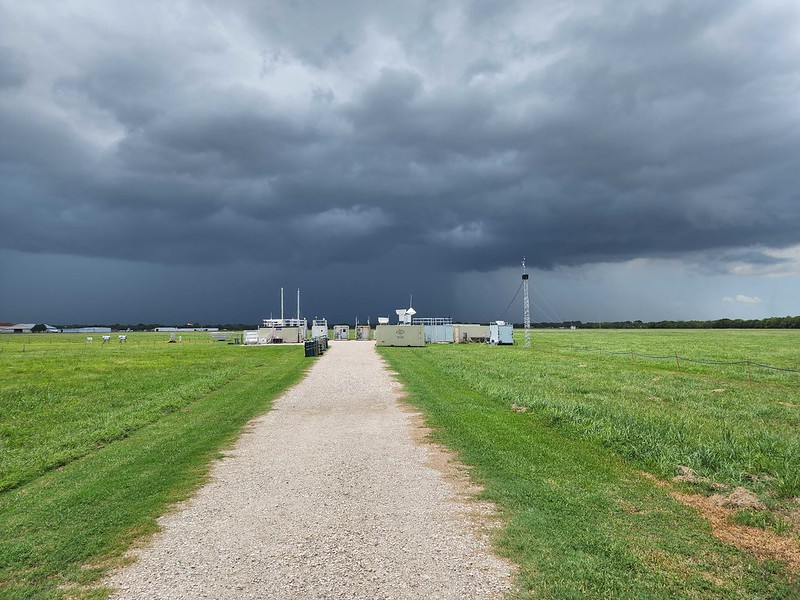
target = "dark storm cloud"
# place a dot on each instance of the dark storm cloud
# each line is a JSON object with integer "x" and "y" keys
{"x": 456, "y": 135}
{"x": 13, "y": 71}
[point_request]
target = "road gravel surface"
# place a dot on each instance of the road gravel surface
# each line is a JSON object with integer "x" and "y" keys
{"x": 333, "y": 493}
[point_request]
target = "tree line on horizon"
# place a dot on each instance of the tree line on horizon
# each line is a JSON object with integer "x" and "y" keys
{"x": 788, "y": 322}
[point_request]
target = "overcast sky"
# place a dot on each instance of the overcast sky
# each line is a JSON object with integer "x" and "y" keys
{"x": 180, "y": 161}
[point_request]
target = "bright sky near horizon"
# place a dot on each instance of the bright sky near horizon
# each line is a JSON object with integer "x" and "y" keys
{"x": 181, "y": 161}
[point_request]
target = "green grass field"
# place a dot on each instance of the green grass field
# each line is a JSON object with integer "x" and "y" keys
{"x": 566, "y": 472}
{"x": 97, "y": 439}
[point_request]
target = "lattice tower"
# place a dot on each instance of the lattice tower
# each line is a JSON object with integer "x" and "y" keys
{"x": 526, "y": 306}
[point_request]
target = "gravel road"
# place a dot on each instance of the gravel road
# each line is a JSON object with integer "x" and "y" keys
{"x": 328, "y": 495}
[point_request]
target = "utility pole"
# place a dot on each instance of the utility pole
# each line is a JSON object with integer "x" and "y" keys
{"x": 526, "y": 305}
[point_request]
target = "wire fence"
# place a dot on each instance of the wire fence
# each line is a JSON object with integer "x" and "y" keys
{"x": 678, "y": 358}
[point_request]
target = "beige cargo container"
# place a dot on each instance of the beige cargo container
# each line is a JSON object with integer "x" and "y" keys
{"x": 400, "y": 335}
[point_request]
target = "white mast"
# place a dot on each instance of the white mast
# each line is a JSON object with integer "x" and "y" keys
{"x": 526, "y": 305}
{"x": 298, "y": 304}
{"x": 281, "y": 307}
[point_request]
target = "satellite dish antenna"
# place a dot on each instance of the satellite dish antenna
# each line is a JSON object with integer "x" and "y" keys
{"x": 411, "y": 312}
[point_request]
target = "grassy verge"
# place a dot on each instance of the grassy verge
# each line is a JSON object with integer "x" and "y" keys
{"x": 63, "y": 527}
{"x": 658, "y": 413}
{"x": 581, "y": 520}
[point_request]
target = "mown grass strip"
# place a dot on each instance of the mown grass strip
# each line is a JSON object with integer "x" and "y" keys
{"x": 581, "y": 521}
{"x": 62, "y": 398}
{"x": 61, "y": 531}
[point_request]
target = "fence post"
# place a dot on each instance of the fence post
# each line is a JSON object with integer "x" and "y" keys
{"x": 748, "y": 371}
{"x": 677, "y": 362}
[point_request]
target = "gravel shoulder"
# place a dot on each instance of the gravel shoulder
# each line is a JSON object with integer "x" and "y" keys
{"x": 331, "y": 494}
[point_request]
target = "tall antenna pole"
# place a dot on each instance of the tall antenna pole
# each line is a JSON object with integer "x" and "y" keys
{"x": 298, "y": 304}
{"x": 526, "y": 305}
{"x": 281, "y": 307}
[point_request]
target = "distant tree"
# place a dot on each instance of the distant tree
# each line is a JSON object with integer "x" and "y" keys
{"x": 41, "y": 327}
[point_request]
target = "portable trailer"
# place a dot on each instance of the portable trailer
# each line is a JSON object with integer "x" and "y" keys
{"x": 319, "y": 328}
{"x": 341, "y": 332}
{"x": 501, "y": 333}
{"x": 363, "y": 332}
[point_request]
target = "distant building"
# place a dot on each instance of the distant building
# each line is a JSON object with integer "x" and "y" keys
{"x": 25, "y": 328}
{"x": 185, "y": 329}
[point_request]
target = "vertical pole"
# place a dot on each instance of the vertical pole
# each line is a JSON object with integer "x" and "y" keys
{"x": 298, "y": 304}
{"x": 281, "y": 307}
{"x": 526, "y": 305}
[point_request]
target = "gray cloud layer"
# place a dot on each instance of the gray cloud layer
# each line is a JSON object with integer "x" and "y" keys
{"x": 452, "y": 135}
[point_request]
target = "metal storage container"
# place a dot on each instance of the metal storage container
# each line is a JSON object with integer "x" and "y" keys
{"x": 400, "y": 335}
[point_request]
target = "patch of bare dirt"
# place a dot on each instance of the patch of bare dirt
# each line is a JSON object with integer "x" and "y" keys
{"x": 688, "y": 475}
{"x": 739, "y": 499}
{"x": 718, "y": 390}
{"x": 766, "y": 545}
{"x": 517, "y": 408}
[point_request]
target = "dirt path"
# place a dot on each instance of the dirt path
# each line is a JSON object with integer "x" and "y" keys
{"x": 325, "y": 496}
